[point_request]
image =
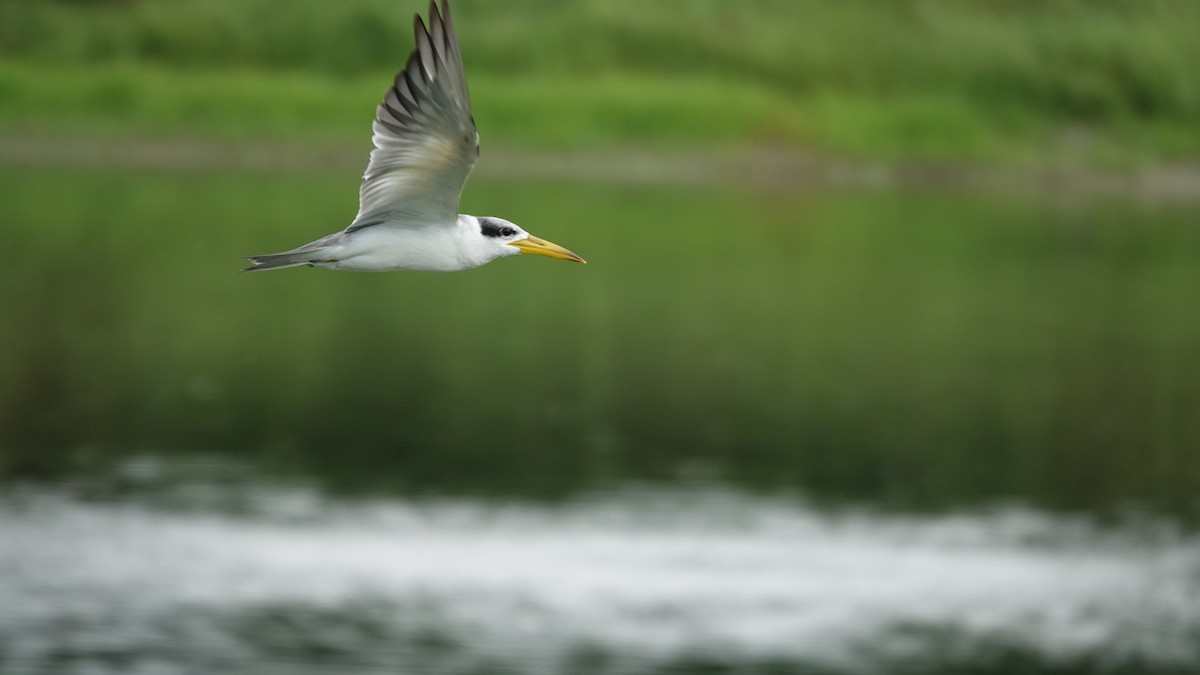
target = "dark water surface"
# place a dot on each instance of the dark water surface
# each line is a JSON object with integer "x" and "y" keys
{"x": 989, "y": 403}
{"x": 906, "y": 350}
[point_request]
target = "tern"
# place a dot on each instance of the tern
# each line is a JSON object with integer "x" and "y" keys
{"x": 425, "y": 147}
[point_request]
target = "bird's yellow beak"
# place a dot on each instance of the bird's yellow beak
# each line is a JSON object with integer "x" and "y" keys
{"x": 537, "y": 246}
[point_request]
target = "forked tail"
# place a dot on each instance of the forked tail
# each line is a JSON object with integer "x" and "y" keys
{"x": 309, "y": 254}
{"x": 278, "y": 261}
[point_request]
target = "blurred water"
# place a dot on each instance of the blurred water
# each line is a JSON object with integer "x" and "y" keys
{"x": 907, "y": 350}
{"x": 469, "y": 439}
{"x": 282, "y": 580}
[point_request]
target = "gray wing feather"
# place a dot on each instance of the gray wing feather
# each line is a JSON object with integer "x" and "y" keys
{"x": 425, "y": 138}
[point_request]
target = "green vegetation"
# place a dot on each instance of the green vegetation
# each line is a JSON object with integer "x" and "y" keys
{"x": 142, "y": 99}
{"x": 1110, "y": 81}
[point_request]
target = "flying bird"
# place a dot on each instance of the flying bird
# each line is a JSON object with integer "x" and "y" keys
{"x": 425, "y": 147}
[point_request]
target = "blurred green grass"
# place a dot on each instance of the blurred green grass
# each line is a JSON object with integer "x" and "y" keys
{"x": 1105, "y": 81}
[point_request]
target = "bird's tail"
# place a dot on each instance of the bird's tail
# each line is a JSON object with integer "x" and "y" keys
{"x": 312, "y": 253}
{"x": 278, "y": 261}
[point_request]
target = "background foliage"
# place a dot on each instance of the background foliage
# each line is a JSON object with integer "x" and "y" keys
{"x": 1110, "y": 81}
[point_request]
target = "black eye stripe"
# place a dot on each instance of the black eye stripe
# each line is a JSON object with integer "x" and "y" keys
{"x": 491, "y": 228}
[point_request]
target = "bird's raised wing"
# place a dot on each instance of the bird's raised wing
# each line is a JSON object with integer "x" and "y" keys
{"x": 424, "y": 135}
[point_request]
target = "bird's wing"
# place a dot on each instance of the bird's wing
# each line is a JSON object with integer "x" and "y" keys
{"x": 424, "y": 135}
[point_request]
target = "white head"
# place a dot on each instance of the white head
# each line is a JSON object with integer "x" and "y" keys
{"x": 499, "y": 237}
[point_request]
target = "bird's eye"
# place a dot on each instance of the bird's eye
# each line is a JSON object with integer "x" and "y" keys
{"x": 507, "y": 232}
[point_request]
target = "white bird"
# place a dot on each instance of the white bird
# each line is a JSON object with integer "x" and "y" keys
{"x": 425, "y": 146}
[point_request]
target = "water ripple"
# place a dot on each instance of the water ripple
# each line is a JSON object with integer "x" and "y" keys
{"x": 638, "y": 582}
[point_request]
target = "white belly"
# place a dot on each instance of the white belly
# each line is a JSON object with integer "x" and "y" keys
{"x": 383, "y": 248}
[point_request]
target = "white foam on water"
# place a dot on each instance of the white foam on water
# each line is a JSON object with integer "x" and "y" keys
{"x": 635, "y": 581}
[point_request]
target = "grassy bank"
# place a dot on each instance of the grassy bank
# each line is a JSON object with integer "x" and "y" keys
{"x": 1108, "y": 82}
{"x": 548, "y": 112}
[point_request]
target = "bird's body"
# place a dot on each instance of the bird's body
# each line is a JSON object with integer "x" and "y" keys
{"x": 428, "y": 247}
{"x": 425, "y": 147}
